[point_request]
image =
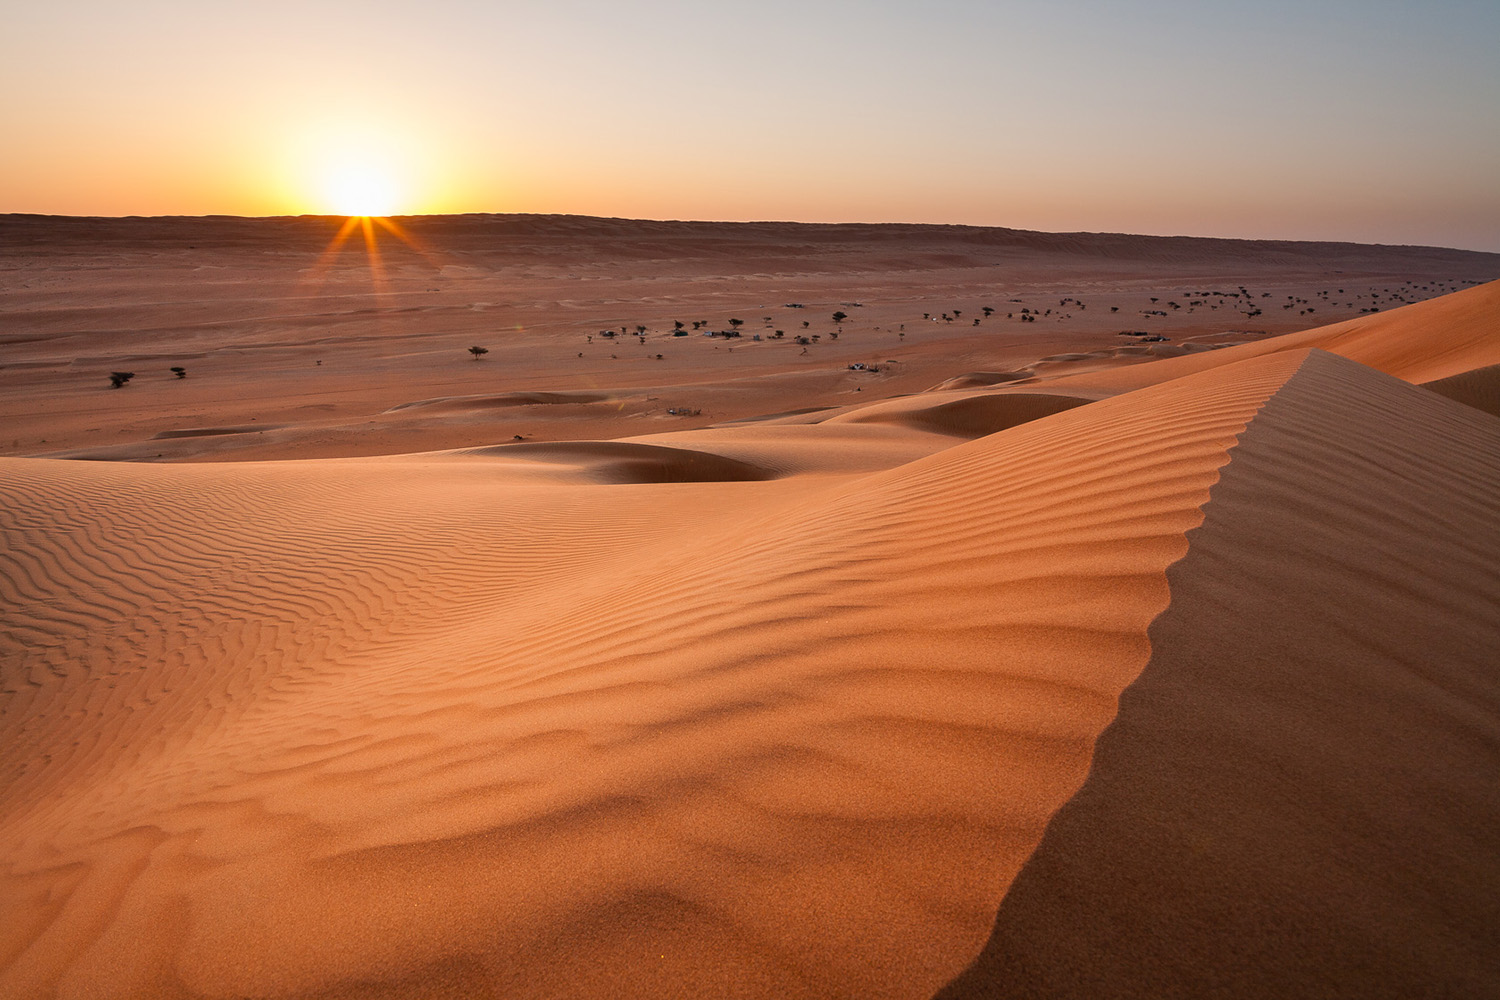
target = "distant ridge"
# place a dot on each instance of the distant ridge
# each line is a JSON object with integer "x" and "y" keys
{"x": 60, "y": 230}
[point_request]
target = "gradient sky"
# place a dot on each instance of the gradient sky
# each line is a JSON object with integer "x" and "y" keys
{"x": 1318, "y": 119}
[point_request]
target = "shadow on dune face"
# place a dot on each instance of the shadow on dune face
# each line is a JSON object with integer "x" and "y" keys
{"x": 970, "y": 417}
{"x": 499, "y": 400}
{"x": 1479, "y": 388}
{"x": 1297, "y": 796}
{"x": 626, "y": 462}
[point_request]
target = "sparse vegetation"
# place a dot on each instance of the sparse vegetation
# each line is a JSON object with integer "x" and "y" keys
{"x": 117, "y": 379}
{"x": 179, "y": 371}
{"x": 478, "y": 351}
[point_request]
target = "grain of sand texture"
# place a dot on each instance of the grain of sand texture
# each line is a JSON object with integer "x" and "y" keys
{"x": 1188, "y": 679}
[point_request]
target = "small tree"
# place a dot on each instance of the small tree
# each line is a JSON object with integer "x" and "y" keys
{"x": 677, "y": 324}
{"x": 479, "y": 352}
{"x": 988, "y": 311}
{"x": 839, "y": 317}
{"x": 179, "y": 371}
{"x": 736, "y": 323}
{"x": 117, "y": 379}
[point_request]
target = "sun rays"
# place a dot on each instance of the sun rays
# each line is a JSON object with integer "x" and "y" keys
{"x": 369, "y": 228}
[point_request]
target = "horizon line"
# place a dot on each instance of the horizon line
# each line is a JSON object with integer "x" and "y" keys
{"x": 753, "y": 222}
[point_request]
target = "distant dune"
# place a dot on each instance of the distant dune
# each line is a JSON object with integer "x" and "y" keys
{"x": 1169, "y": 678}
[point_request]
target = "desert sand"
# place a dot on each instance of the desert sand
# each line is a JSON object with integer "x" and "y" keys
{"x": 1040, "y": 661}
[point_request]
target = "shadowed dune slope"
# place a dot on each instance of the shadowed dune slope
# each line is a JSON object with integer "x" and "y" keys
{"x": 630, "y": 462}
{"x": 802, "y": 449}
{"x": 502, "y": 400}
{"x": 967, "y": 416}
{"x": 1299, "y": 796}
{"x": 375, "y": 728}
{"x": 1479, "y": 388}
{"x": 978, "y": 380}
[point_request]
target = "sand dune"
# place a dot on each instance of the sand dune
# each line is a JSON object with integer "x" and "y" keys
{"x": 1477, "y": 387}
{"x": 631, "y": 462}
{"x": 968, "y": 416}
{"x": 1169, "y": 678}
{"x": 540, "y": 736}
{"x": 1422, "y": 342}
{"x": 1299, "y": 793}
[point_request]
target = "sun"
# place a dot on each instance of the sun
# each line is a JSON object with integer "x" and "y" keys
{"x": 360, "y": 188}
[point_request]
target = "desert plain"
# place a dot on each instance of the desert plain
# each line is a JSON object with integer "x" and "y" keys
{"x": 981, "y": 613}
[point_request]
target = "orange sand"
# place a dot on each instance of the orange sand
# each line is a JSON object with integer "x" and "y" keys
{"x": 779, "y": 707}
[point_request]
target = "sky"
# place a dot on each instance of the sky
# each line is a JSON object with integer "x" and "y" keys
{"x": 1362, "y": 120}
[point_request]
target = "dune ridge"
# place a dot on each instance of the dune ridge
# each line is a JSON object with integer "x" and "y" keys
{"x": 351, "y": 727}
{"x": 1421, "y": 342}
{"x": 1298, "y": 793}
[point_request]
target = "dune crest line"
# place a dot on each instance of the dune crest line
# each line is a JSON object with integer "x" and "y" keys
{"x": 536, "y": 734}
{"x": 1300, "y": 796}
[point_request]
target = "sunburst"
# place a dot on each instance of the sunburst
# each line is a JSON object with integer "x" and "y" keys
{"x": 369, "y": 227}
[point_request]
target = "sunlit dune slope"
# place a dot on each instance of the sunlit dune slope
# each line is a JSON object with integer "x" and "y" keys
{"x": 1299, "y": 795}
{"x": 435, "y": 726}
{"x": 1421, "y": 342}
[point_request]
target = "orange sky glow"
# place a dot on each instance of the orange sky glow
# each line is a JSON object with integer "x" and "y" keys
{"x": 1367, "y": 122}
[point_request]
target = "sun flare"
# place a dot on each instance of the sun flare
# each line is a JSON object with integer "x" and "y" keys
{"x": 358, "y": 188}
